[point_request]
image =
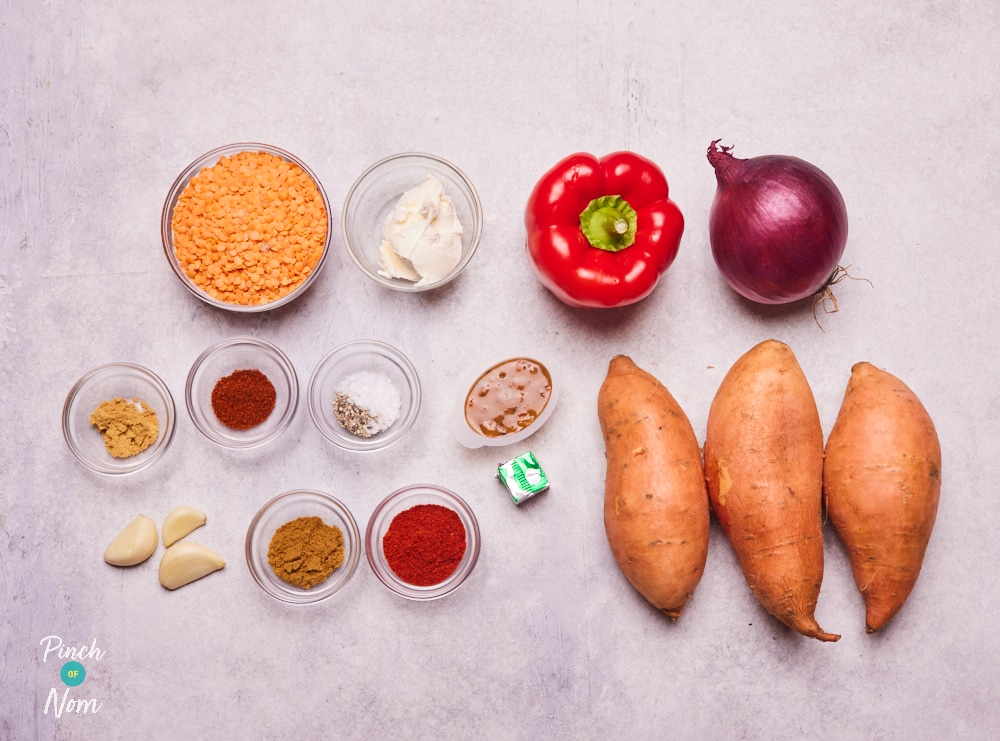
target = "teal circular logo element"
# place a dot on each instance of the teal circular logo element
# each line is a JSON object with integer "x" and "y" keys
{"x": 73, "y": 673}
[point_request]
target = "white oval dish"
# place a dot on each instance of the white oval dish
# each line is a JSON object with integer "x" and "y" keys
{"x": 467, "y": 436}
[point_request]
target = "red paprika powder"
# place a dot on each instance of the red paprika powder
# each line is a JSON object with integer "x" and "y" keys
{"x": 424, "y": 544}
{"x": 243, "y": 399}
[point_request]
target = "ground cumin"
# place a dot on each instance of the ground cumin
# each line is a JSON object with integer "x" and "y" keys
{"x": 305, "y": 551}
{"x": 129, "y": 426}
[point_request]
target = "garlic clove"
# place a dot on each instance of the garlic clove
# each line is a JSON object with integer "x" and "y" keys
{"x": 180, "y": 522}
{"x": 185, "y": 562}
{"x": 134, "y": 544}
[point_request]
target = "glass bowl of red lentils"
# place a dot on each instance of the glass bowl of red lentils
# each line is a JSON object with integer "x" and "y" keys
{"x": 246, "y": 227}
{"x": 119, "y": 418}
{"x": 242, "y": 392}
{"x": 422, "y": 541}
{"x": 383, "y": 208}
{"x": 303, "y": 546}
{"x": 364, "y": 395}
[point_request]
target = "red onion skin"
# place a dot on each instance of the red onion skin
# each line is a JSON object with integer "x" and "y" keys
{"x": 778, "y": 226}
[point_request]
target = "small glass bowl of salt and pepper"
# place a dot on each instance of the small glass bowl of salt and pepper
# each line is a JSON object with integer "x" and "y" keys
{"x": 241, "y": 392}
{"x": 364, "y": 395}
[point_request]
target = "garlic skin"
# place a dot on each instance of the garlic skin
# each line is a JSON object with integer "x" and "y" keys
{"x": 185, "y": 562}
{"x": 180, "y": 522}
{"x": 134, "y": 544}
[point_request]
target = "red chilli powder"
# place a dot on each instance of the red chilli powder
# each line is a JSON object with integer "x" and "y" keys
{"x": 424, "y": 544}
{"x": 243, "y": 399}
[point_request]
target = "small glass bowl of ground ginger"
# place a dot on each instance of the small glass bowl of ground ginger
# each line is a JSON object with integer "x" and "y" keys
{"x": 242, "y": 392}
{"x": 422, "y": 541}
{"x": 246, "y": 227}
{"x": 303, "y": 546}
{"x": 119, "y": 418}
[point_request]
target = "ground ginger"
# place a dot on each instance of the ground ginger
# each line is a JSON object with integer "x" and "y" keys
{"x": 128, "y": 426}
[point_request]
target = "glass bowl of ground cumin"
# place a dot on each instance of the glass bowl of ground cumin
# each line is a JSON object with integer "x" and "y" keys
{"x": 246, "y": 227}
{"x": 303, "y": 546}
{"x": 242, "y": 392}
{"x": 364, "y": 395}
{"x": 119, "y": 418}
{"x": 422, "y": 541}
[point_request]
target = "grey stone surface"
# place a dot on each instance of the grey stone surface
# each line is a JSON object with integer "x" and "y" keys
{"x": 102, "y": 105}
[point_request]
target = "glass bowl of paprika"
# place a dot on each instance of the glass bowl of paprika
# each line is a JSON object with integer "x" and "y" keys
{"x": 297, "y": 523}
{"x": 422, "y": 541}
{"x": 118, "y": 418}
{"x": 242, "y": 392}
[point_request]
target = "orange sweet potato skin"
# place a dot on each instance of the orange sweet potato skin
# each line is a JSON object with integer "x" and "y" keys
{"x": 882, "y": 483}
{"x": 764, "y": 468}
{"x": 656, "y": 512}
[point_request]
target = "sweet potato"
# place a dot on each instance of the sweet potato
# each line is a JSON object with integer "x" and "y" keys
{"x": 882, "y": 481}
{"x": 655, "y": 505}
{"x": 764, "y": 467}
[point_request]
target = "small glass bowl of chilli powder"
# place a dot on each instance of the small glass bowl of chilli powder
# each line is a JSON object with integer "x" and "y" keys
{"x": 242, "y": 392}
{"x": 303, "y": 546}
{"x": 422, "y": 542}
{"x": 243, "y": 399}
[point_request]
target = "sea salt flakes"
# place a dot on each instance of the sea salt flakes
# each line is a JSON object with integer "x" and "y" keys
{"x": 367, "y": 403}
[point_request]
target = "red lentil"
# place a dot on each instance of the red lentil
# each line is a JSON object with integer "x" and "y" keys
{"x": 249, "y": 229}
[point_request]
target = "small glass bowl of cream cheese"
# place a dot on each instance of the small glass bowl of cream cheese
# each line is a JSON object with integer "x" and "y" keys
{"x": 412, "y": 222}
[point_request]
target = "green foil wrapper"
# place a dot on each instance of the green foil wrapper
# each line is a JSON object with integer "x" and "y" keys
{"x": 523, "y": 477}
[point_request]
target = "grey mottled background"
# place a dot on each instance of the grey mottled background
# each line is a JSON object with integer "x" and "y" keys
{"x": 102, "y": 105}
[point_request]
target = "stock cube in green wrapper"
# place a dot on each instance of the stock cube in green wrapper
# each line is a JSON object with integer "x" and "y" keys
{"x": 523, "y": 477}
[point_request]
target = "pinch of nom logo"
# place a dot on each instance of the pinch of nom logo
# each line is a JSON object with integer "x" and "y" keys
{"x": 72, "y": 672}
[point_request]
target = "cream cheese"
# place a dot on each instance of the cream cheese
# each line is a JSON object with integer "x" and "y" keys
{"x": 422, "y": 237}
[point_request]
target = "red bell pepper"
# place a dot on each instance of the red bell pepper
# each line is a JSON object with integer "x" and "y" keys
{"x": 602, "y": 231}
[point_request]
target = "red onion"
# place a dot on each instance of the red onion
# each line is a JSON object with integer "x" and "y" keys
{"x": 778, "y": 226}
